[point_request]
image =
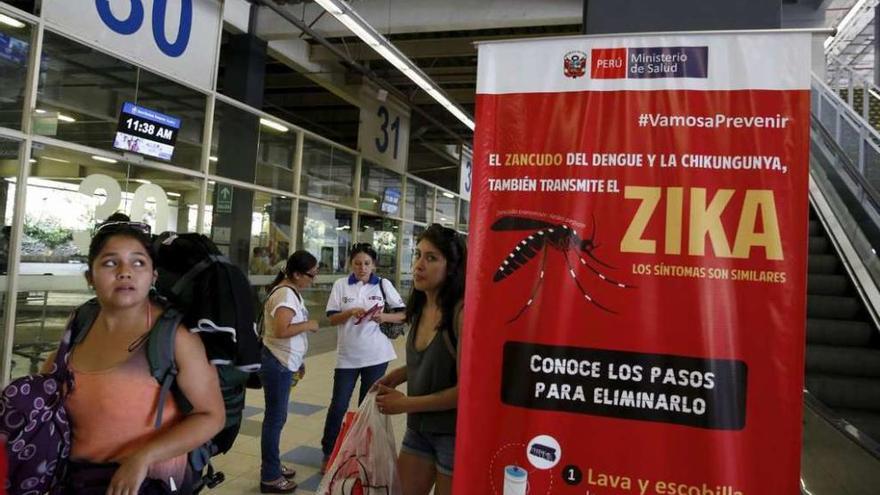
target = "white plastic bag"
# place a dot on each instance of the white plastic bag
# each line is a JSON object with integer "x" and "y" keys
{"x": 367, "y": 460}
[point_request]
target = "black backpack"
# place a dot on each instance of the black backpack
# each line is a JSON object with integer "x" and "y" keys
{"x": 211, "y": 297}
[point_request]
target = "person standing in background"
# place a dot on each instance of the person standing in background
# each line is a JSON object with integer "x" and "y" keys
{"x": 286, "y": 324}
{"x": 362, "y": 349}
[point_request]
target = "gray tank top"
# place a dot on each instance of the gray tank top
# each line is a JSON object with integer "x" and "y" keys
{"x": 430, "y": 371}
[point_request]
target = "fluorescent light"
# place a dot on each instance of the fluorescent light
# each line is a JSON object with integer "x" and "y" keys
{"x": 39, "y": 110}
{"x": 330, "y": 6}
{"x": 55, "y": 159}
{"x": 173, "y": 194}
{"x": 392, "y": 57}
{"x": 9, "y": 21}
{"x": 363, "y": 30}
{"x": 449, "y": 195}
{"x": 355, "y": 27}
{"x": 65, "y": 118}
{"x": 213, "y": 158}
{"x": 32, "y": 160}
{"x": 142, "y": 181}
{"x": 104, "y": 159}
{"x": 273, "y": 125}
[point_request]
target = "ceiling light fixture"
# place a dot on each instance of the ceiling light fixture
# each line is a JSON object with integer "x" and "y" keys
{"x": 39, "y": 110}
{"x": 449, "y": 195}
{"x": 104, "y": 159}
{"x": 274, "y": 125}
{"x": 9, "y": 21}
{"x": 357, "y": 25}
{"x": 213, "y": 158}
{"x": 173, "y": 194}
{"x": 55, "y": 159}
{"x": 65, "y": 118}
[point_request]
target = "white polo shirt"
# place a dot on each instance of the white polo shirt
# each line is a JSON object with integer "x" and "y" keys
{"x": 359, "y": 346}
{"x": 289, "y": 350}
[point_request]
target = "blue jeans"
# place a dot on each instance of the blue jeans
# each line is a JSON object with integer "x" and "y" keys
{"x": 343, "y": 385}
{"x": 277, "y": 380}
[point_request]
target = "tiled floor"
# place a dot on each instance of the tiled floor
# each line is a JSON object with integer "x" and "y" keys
{"x": 301, "y": 438}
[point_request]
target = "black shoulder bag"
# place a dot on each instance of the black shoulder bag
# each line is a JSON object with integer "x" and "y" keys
{"x": 391, "y": 330}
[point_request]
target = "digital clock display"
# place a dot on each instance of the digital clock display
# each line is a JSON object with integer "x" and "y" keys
{"x": 145, "y": 131}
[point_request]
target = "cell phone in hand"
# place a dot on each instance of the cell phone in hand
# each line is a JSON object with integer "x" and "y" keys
{"x": 368, "y": 314}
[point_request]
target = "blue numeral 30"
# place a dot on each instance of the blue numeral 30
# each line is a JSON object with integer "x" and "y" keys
{"x": 136, "y": 20}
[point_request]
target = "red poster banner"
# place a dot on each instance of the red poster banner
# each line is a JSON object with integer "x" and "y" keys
{"x": 636, "y": 288}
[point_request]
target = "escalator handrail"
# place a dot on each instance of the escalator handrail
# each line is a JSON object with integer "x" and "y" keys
{"x": 849, "y": 430}
{"x": 846, "y": 164}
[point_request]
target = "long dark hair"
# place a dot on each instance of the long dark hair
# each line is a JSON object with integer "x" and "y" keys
{"x": 299, "y": 262}
{"x": 454, "y": 249}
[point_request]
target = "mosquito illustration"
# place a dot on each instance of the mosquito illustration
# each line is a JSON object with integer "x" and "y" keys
{"x": 546, "y": 235}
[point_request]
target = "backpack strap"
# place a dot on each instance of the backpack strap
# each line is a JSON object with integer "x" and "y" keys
{"x": 160, "y": 354}
{"x": 82, "y": 320}
{"x": 194, "y": 272}
{"x": 385, "y": 298}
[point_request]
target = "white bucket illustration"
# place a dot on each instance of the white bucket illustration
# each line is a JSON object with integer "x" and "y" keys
{"x": 516, "y": 481}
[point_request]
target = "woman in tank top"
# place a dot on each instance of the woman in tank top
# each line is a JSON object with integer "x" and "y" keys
{"x": 432, "y": 358}
{"x": 112, "y": 406}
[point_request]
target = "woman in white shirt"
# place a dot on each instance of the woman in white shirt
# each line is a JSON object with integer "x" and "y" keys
{"x": 355, "y": 307}
{"x": 285, "y": 323}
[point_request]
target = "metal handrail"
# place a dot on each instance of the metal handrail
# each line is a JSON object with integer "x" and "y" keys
{"x": 867, "y": 443}
{"x": 845, "y": 163}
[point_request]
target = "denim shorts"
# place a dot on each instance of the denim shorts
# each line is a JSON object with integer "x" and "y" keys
{"x": 436, "y": 447}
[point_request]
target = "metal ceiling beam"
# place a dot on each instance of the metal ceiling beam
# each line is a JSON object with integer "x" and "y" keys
{"x": 354, "y": 65}
{"x": 423, "y": 16}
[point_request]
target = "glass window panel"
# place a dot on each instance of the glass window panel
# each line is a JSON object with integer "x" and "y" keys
{"x": 245, "y": 150}
{"x": 419, "y": 205}
{"x": 411, "y": 232}
{"x": 327, "y": 173}
{"x": 251, "y": 227}
{"x": 15, "y": 45}
{"x": 31, "y": 6}
{"x": 82, "y": 90}
{"x": 446, "y": 214}
{"x": 234, "y": 142}
{"x": 464, "y": 213}
{"x": 275, "y": 158}
{"x": 381, "y": 232}
{"x": 9, "y": 166}
{"x": 380, "y": 190}
{"x": 70, "y": 192}
{"x": 325, "y": 232}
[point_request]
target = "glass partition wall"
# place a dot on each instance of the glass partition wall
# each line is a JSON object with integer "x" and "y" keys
{"x": 259, "y": 191}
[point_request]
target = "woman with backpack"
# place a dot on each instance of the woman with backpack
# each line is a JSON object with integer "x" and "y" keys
{"x": 285, "y": 323}
{"x": 432, "y": 363}
{"x": 356, "y": 306}
{"x": 113, "y": 404}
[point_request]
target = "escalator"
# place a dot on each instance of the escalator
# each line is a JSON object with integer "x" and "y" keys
{"x": 843, "y": 345}
{"x": 841, "y": 441}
